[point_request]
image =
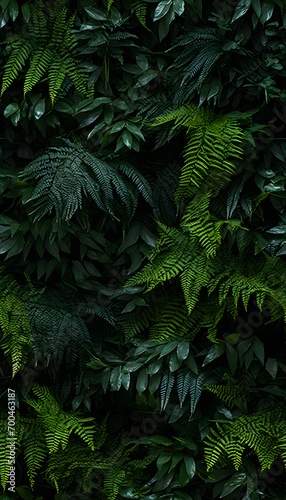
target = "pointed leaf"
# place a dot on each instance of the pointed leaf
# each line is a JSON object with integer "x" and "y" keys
{"x": 216, "y": 351}
{"x": 183, "y": 349}
{"x": 142, "y": 381}
{"x": 271, "y": 366}
{"x": 190, "y": 465}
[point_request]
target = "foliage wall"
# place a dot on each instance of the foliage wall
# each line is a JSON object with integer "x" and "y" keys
{"x": 142, "y": 245}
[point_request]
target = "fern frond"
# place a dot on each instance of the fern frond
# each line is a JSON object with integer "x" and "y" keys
{"x": 227, "y": 393}
{"x": 59, "y": 425}
{"x": 171, "y": 320}
{"x": 167, "y": 259}
{"x": 39, "y": 64}
{"x": 164, "y": 193}
{"x": 57, "y": 329}
{"x": 74, "y": 462}
{"x": 193, "y": 278}
{"x": 50, "y": 48}
{"x": 34, "y": 446}
{"x": 184, "y": 381}
{"x": 15, "y": 325}
{"x": 196, "y": 387}
{"x": 202, "y": 47}
{"x": 16, "y": 62}
{"x": 167, "y": 383}
{"x": 211, "y": 142}
{"x": 261, "y": 431}
{"x": 141, "y": 12}
{"x": 197, "y": 220}
{"x": 65, "y": 174}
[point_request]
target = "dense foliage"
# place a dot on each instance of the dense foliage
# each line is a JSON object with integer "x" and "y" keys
{"x": 142, "y": 244}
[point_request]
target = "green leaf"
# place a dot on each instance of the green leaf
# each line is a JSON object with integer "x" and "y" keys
{"x": 232, "y": 358}
{"x": 108, "y": 114}
{"x": 174, "y": 362}
{"x": 257, "y": 7}
{"x": 161, "y": 10}
{"x": 188, "y": 443}
{"x": 24, "y": 492}
{"x": 154, "y": 367}
{"x": 6, "y": 245}
{"x": 146, "y": 78}
{"x": 96, "y": 363}
{"x": 214, "y": 88}
{"x": 154, "y": 382}
{"x": 278, "y": 229}
{"x": 127, "y": 138}
{"x": 216, "y": 351}
{"x": 76, "y": 402}
{"x": 90, "y": 118}
{"x": 160, "y": 440}
{"x": 117, "y": 126}
{"x": 190, "y": 465}
{"x": 90, "y": 104}
{"x": 258, "y": 348}
{"x": 176, "y": 458}
{"x": 39, "y": 109}
{"x": 163, "y": 459}
{"x": 26, "y": 11}
{"x": 134, "y": 130}
{"x": 126, "y": 378}
{"x": 15, "y": 118}
{"x": 271, "y": 366}
{"x": 183, "y": 476}
{"x": 191, "y": 363}
{"x": 97, "y": 14}
{"x": 105, "y": 378}
{"x": 183, "y": 349}
{"x": 232, "y": 484}
{"x": 179, "y": 6}
{"x": 131, "y": 237}
{"x": 96, "y": 129}
{"x": 169, "y": 347}
{"x": 63, "y": 107}
{"x": 14, "y": 226}
{"x": 11, "y": 109}
{"x": 132, "y": 366}
{"x": 267, "y": 8}
{"x": 241, "y": 9}
{"x": 142, "y": 381}
{"x": 274, "y": 389}
{"x": 115, "y": 379}
{"x": 13, "y": 9}
{"x": 142, "y": 62}
{"x": 147, "y": 236}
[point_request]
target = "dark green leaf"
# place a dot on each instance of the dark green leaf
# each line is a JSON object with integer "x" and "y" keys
{"x": 241, "y": 9}
{"x": 11, "y": 109}
{"x": 239, "y": 479}
{"x": 272, "y": 367}
{"x": 127, "y": 138}
{"x": 216, "y": 351}
{"x": 97, "y": 14}
{"x": 142, "y": 62}
{"x": 39, "y": 109}
{"x": 142, "y": 381}
{"x": 116, "y": 378}
{"x": 183, "y": 476}
{"x": 190, "y": 465}
{"x": 183, "y": 349}
{"x": 162, "y": 9}
{"x": 258, "y": 348}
